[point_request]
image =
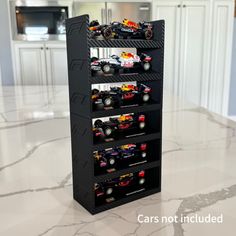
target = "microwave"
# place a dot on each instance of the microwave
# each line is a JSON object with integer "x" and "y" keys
{"x": 39, "y": 19}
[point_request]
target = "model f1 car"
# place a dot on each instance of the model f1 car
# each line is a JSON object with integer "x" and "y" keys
{"x": 130, "y": 29}
{"x": 125, "y": 61}
{"x": 121, "y": 123}
{"x": 119, "y": 184}
{"x": 113, "y": 157}
{"x": 96, "y": 30}
{"x": 125, "y": 29}
{"x": 124, "y": 95}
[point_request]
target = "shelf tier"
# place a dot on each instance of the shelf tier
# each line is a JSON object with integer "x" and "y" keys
{"x": 135, "y": 139}
{"x": 152, "y": 76}
{"x": 125, "y": 200}
{"x": 124, "y": 43}
{"x": 115, "y": 174}
{"x": 126, "y": 110}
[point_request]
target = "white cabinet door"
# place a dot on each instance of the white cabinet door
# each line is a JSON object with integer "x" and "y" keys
{"x": 194, "y": 51}
{"x": 56, "y": 60}
{"x": 30, "y": 64}
{"x": 223, "y": 18}
{"x": 170, "y": 12}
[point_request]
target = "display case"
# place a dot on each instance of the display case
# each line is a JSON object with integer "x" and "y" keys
{"x": 110, "y": 168}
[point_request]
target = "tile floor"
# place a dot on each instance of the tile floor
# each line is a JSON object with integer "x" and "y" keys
{"x": 199, "y": 171}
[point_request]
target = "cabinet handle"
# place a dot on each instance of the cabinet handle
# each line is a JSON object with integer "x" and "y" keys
{"x": 41, "y": 48}
{"x": 179, "y": 5}
{"x": 47, "y": 48}
{"x": 184, "y": 5}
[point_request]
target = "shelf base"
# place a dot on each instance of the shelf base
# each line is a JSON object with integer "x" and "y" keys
{"x": 127, "y": 199}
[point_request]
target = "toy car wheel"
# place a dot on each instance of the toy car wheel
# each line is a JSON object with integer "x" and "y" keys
{"x": 148, "y": 34}
{"x": 107, "y": 101}
{"x": 143, "y": 154}
{"x": 146, "y": 66}
{"x": 92, "y": 34}
{"x": 93, "y": 23}
{"x": 109, "y": 191}
{"x": 96, "y": 186}
{"x": 94, "y": 59}
{"x": 106, "y": 68}
{"x": 142, "y": 125}
{"x": 98, "y": 123}
{"x": 107, "y": 131}
{"x": 116, "y": 70}
{"x": 95, "y": 91}
{"x": 107, "y": 33}
{"x": 145, "y": 97}
{"x": 141, "y": 181}
{"x": 112, "y": 161}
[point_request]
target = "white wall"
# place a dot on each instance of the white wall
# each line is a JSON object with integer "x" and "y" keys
{"x": 232, "y": 99}
{"x": 0, "y": 76}
{"x": 5, "y": 45}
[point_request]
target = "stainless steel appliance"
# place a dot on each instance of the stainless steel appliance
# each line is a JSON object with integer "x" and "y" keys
{"x": 106, "y": 12}
{"x": 39, "y": 19}
{"x": 114, "y": 11}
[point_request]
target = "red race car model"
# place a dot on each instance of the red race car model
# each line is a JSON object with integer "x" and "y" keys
{"x": 110, "y": 159}
{"x": 121, "y": 184}
{"x": 125, "y": 29}
{"x": 127, "y": 94}
{"x": 121, "y": 123}
{"x": 125, "y": 61}
{"x": 96, "y": 30}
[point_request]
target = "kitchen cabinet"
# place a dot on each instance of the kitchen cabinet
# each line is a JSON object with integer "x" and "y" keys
{"x": 170, "y": 12}
{"x": 197, "y": 49}
{"x": 221, "y": 54}
{"x": 41, "y": 63}
{"x": 30, "y": 64}
{"x": 187, "y": 47}
{"x": 56, "y": 61}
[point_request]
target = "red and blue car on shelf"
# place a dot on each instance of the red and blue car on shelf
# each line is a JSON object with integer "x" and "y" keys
{"x": 126, "y": 29}
{"x": 118, "y": 96}
{"x": 118, "y": 124}
{"x": 126, "y": 61}
{"x": 111, "y": 158}
{"x": 120, "y": 184}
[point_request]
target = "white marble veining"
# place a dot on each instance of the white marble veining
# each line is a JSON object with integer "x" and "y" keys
{"x": 199, "y": 150}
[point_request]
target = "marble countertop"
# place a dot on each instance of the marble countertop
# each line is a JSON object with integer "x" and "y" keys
{"x": 199, "y": 177}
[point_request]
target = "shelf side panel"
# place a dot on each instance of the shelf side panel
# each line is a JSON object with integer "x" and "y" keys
{"x": 82, "y": 165}
{"x": 79, "y": 90}
{"x": 78, "y": 57}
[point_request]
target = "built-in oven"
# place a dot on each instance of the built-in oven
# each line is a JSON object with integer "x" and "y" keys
{"x": 39, "y": 19}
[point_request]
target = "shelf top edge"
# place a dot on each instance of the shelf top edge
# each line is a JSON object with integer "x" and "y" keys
{"x": 153, "y": 76}
{"x": 126, "y": 43}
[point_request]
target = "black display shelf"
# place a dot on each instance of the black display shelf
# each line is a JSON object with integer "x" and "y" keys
{"x": 128, "y": 43}
{"x": 82, "y": 113}
{"x": 142, "y": 77}
{"x": 126, "y": 110}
